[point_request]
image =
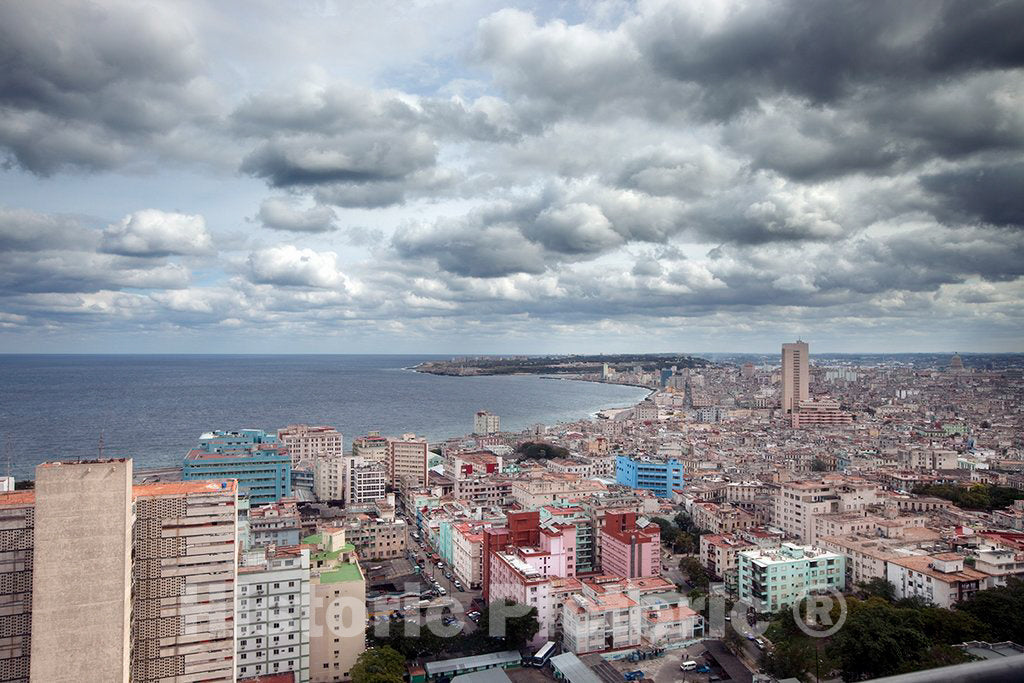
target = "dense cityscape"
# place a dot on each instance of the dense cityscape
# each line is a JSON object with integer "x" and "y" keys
{"x": 511, "y": 341}
{"x": 743, "y": 522}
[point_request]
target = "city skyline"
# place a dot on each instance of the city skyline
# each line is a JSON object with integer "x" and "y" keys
{"x": 510, "y": 177}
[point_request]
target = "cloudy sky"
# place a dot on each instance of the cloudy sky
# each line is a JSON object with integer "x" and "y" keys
{"x": 458, "y": 177}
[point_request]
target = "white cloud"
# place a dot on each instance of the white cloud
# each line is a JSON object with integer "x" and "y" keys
{"x": 289, "y": 266}
{"x": 151, "y": 232}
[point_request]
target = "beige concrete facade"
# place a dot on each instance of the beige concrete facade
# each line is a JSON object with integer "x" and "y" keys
{"x": 184, "y": 573}
{"x": 796, "y": 375}
{"x": 81, "y": 579}
{"x": 137, "y": 585}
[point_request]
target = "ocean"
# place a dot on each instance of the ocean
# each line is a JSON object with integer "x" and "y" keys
{"x": 154, "y": 407}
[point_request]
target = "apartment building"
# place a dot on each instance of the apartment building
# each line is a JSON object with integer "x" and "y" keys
{"x": 468, "y": 552}
{"x": 305, "y": 442}
{"x": 365, "y": 481}
{"x": 820, "y": 412}
{"x": 275, "y": 524}
{"x": 941, "y": 579}
{"x": 719, "y": 554}
{"x": 407, "y": 458}
{"x": 547, "y": 488}
{"x": 586, "y": 542}
{"x": 329, "y": 477}
{"x": 160, "y": 561}
{"x": 866, "y": 557}
{"x": 372, "y": 448}
{"x": 375, "y": 535}
{"x": 602, "y": 617}
{"x": 771, "y": 579}
{"x": 662, "y": 477}
{"x": 472, "y": 464}
{"x": 250, "y": 456}
{"x": 721, "y": 518}
{"x": 512, "y": 576}
{"x": 483, "y": 491}
{"x": 998, "y": 563}
{"x": 630, "y": 547}
{"x": 273, "y": 612}
{"x": 338, "y": 618}
{"x": 798, "y": 503}
{"x": 485, "y": 423}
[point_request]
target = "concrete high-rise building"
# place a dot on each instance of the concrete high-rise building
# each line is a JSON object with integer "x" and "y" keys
{"x": 304, "y": 442}
{"x": 629, "y": 547}
{"x": 365, "y": 482}
{"x": 185, "y": 545}
{"x": 407, "y": 457}
{"x": 105, "y": 581}
{"x": 338, "y": 615}
{"x": 795, "y": 375}
{"x": 273, "y": 611}
{"x": 82, "y": 572}
{"x": 486, "y": 423}
{"x": 329, "y": 477}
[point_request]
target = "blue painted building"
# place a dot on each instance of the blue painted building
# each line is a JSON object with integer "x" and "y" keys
{"x": 660, "y": 476}
{"x": 250, "y": 456}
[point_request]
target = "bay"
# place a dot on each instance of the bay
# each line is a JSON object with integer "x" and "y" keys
{"x": 154, "y": 407}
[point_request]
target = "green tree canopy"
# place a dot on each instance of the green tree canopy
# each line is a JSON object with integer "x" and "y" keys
{"x": 540, "y": 450}
{"x": 520, "y": 623}
{"x": 379, "y": 665}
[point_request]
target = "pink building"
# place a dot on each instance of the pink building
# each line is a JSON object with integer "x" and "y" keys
{"x": 522, "y": 561}
{"x": 630, "y": 550}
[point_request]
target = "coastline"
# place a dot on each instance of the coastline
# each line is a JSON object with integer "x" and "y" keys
{"x": 608, "y": 413}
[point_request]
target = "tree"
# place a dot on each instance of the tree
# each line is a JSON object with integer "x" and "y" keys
{"x": 819, "y": 465}
{"x": 539, "y": 450}
{"x": 379, "y": 665}
{"x": 695, "y": 571}
{"x": 875, "y": 641}
{"x": 879, "y": 588}
{"x": 1000, "y": 609}
{"x": 521, "y": 624}
{"x": 789, "y": 659}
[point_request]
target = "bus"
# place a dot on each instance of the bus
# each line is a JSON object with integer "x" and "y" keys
{"x": 543, "y": 654}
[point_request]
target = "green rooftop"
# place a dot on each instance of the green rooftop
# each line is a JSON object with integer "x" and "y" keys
{"x": 315, "y": 539}
{"x": 343, "y": 572}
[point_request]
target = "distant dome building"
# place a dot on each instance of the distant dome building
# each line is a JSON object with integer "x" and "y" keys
{"x": 956, "y": 363}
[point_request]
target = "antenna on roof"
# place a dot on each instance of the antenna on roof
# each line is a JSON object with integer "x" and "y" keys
{"x": 7, "y": 455}
{"x": 100, "y": 446}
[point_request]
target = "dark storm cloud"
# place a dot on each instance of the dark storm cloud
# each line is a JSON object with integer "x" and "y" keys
{"x": 989, "y": 194}
{"x": 358, "y": 147}
{"x": 824, "y": 51}
{"x": 86, "y": 85}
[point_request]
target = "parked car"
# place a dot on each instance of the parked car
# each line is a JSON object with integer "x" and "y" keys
{"x": 760, "y": 643}
{"x": 458, "y": 585}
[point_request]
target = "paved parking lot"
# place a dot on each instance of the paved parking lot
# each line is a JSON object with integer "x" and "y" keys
{"x": 665, "y": 669}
